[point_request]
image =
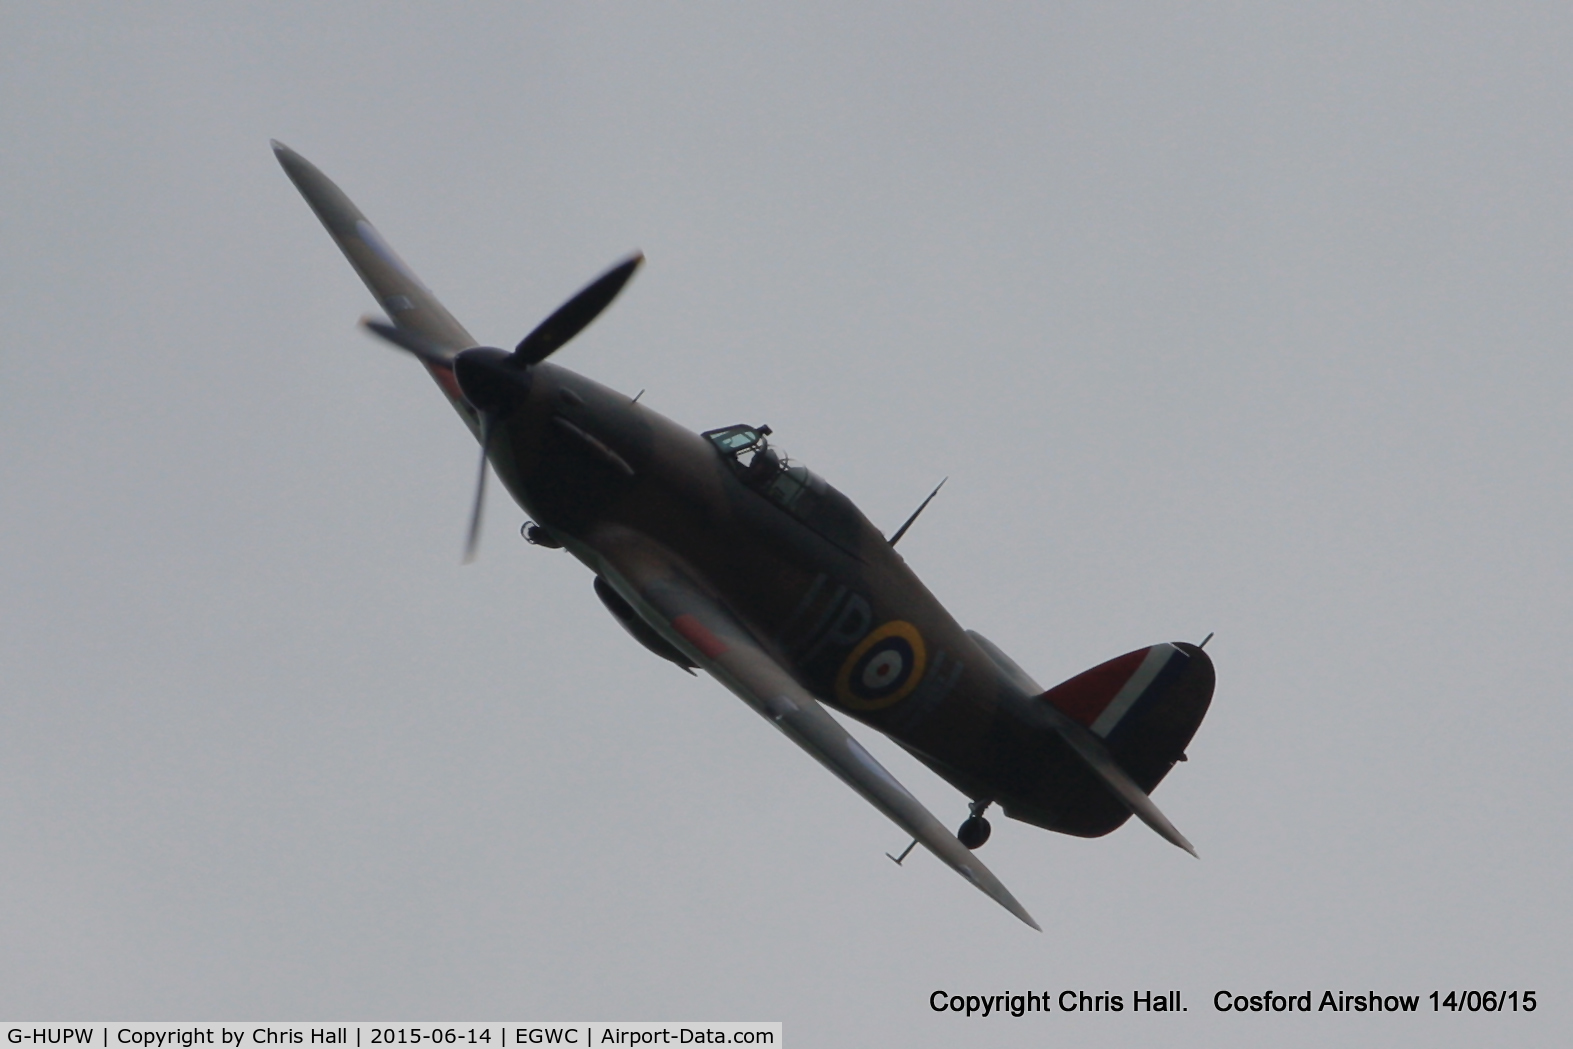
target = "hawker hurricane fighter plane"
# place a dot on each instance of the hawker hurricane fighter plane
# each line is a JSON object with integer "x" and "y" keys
{"x": 719, "y": 553}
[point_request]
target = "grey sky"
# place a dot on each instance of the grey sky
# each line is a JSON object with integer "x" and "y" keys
{"x": 1222, "y": 318}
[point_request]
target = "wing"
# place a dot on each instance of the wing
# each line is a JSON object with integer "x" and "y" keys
{"x": 399, "y": 291}
{"x": 670, "y": 599}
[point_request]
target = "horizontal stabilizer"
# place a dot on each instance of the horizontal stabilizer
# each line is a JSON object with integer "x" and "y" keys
{"x": 1098, "y": 758}
{"x": 1130, "y": 720}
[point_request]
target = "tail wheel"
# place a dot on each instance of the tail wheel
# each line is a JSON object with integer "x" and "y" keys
{"x": 974, "y": 832}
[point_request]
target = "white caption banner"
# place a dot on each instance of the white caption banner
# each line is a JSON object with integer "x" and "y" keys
{"x": 582, "y": 1034}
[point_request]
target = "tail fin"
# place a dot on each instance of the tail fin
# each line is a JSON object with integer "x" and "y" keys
{"x": 1144, "y": 706}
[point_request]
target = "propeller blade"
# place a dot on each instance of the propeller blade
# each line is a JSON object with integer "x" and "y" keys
{"x": 428, "y": 352}
{"x": 473, "y": 542}
{"x": 575, "y": 315}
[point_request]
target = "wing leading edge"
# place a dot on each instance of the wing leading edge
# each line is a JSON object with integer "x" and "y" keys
{"x": 653, "y": 581}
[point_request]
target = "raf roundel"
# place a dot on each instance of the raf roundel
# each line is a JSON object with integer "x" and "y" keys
{"x": 883, "y": 669}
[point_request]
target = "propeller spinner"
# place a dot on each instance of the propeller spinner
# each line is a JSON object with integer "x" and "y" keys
{"x": 493, "y": 380}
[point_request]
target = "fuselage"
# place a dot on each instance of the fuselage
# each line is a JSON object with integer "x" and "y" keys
{"x": 808, "y": 575}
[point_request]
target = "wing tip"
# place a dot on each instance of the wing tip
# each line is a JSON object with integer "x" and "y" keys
{"x": 1018, "y": 910}
{"x": 1009, "y": 902}
{"x": 292, "y": 162}
{"x": 990, "y": 885}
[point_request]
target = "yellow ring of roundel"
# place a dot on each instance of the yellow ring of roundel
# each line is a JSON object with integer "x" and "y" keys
{"x": 894, "y": 628}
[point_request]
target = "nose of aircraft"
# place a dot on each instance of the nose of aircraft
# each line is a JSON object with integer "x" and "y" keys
{"x": 491, "y": 379}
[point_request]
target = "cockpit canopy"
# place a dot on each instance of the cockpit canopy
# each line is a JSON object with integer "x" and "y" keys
{"x": 765, "y": 470}
{"x": 735, "y": 440}
{"x": 802, "y": 494}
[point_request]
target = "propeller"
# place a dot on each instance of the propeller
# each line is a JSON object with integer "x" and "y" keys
{"x": 573, "y": 316}
{"x": 472, "y": 541}
{"x": 494, "y": 381}
{"x": 428, "y": 352}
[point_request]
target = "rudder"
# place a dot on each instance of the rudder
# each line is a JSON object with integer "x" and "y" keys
{"x": 1145, "y": 706}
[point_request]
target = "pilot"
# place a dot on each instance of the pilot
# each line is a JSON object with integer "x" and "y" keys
{"x": 763, "y": 466}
